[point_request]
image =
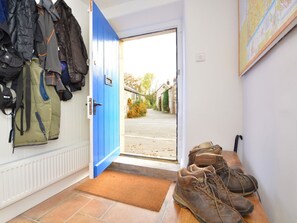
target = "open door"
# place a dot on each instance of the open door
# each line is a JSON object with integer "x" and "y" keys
{"x": 103, "y": 102}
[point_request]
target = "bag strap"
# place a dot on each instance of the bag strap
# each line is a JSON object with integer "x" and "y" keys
{"x": 20, "y": 95}
{"x": 28, "y": 97}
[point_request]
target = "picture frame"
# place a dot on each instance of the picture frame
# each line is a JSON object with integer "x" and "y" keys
{"x": 261, "y": 25}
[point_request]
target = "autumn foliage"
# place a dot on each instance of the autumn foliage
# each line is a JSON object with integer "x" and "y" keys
{"x": 136, "y": 109}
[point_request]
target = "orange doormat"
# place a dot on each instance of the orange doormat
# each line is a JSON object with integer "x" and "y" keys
{"x": 140, "y": 191}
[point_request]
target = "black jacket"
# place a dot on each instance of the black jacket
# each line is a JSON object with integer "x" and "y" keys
{"x": 72, "y": 49}
{"x": 22, "y": 18}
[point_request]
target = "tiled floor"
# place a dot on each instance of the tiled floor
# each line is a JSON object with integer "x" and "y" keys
{"x": 74, "y": 206}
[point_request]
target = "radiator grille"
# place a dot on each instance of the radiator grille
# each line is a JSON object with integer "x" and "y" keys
{"x": 22, "y": 178}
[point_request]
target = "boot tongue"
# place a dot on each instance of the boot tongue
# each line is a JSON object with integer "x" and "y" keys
{"x": 205, "y": 145}
{"x": 199, "y": 178}
{"x": 194, "y": 167}
{"x": 210, "y": 169}
{"x": 199, "y": 174}
{"x": 220, "y": 163}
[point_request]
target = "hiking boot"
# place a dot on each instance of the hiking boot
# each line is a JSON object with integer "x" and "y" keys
{"x": 193, "y": 192}
{"x": 207, "y": 147}
{"x": 235, "y": 181}
{"x": 241, "y": 204}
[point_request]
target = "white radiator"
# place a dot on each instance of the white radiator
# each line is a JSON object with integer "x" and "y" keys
{"x": 22, "y": 178}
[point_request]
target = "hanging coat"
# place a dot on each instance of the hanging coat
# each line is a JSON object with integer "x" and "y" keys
{"x": 72, "y": 48}
{"x": 22, "y": 18}
{"x": 47, "y": 47}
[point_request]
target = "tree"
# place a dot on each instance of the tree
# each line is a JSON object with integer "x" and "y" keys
{"x": 146, "y": 82}
{"x": 151, "y": 100}
{"x": 132, "y": 82}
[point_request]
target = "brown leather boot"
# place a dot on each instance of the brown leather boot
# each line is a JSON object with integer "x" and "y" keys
{"x": 241, "y": 204}
{"x": 207, "y": 147}
{"x": 235, "y": 181}
{"x": 193, "y": 192}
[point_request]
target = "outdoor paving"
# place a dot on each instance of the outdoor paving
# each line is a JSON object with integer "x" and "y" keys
{"x": 153, "y": 135}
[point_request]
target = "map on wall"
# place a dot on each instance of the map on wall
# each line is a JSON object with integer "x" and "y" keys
{"x": 262, "y": 23}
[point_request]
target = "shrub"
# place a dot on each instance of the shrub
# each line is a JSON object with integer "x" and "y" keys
{"x": 137, "y": 109}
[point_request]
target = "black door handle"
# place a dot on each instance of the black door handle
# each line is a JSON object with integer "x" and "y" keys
{"x": 95, "y": 104}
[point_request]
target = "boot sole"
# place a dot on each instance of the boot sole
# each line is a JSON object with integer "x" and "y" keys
{"x": 183, "y": 204}
{"x": 243, "y": 194}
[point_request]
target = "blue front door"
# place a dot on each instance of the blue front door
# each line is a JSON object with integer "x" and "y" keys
{"x": 106, "y": 134}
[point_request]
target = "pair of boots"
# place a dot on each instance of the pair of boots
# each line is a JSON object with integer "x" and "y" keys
{"x": 235, "y": 180}
{"x": 206, "y": 191}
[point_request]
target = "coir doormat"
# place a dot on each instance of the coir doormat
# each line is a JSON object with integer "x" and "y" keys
{"x": 140, "y": 191}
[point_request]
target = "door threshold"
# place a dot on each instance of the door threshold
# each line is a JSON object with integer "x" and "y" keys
{"x": 147, "y": 157}
{"x": 147, "y": 167}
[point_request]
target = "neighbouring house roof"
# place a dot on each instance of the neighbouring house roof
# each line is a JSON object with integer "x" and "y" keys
{"x": 127, "y": 88}
{"x": 174, "y": 85}
{"x": 164, "y": 86}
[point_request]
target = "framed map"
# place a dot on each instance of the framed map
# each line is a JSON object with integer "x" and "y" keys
{"x": 262, "y": 23}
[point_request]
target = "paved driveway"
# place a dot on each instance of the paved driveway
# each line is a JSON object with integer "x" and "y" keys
{"x": 152, "y": 135}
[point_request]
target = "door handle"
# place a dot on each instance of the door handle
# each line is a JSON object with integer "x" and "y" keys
{"x": 95, "y": 104}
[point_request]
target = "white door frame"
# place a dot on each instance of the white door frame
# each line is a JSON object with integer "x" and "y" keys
{"x": 176, "y": 24}
{"x": 90, "y": 97}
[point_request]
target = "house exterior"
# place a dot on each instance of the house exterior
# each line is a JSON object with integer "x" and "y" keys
{"x": 159, "y": 96}
{"x": 171, "y": 97}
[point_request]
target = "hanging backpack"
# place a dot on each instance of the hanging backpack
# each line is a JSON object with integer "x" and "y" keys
{"x": 11, "y": 62}
{"x": 37, "y": 116}
{"x": 7, "y": 99}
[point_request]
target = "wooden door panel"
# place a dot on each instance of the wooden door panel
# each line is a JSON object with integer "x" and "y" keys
{"x": 105, "y": 91}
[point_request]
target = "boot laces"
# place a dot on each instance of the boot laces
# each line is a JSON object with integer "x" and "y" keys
{"x": 240, "y": 176}
{"x": 218, "y": 183}
{"x": 210, "y": 191}
{"x": 214, "y": 179}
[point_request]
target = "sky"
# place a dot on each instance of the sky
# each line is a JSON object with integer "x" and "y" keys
{"x": 155, "y": 54}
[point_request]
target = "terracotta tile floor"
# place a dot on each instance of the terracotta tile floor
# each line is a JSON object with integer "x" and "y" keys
{"x": 77, "y": 207}
{"x": 74, "y": 206}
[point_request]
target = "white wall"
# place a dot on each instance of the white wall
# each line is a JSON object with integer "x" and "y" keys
{"x": 66, "y": 158}
{"x": 270, "y": 128}
{"x": 213, "y": 91}
{"x": 74, "y": 124}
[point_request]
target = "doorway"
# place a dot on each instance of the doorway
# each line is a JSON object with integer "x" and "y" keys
{"x": 149, "y": 95}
